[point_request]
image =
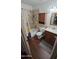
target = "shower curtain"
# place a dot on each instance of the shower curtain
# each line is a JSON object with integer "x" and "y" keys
{"x": 24, "y": 22}
{"x": 29, "y": 21}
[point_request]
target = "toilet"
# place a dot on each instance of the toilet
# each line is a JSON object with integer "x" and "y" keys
{"x": 40, "y": 33}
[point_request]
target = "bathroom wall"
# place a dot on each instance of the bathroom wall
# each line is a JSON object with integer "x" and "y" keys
{"x": 45, "y": 8}
{"x": 26, "y": 6}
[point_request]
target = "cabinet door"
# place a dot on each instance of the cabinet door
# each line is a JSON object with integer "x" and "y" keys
{"x": 50, "y": 37}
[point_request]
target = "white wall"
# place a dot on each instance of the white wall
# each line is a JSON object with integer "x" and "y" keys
{"x": 46, "y": 8}
{"x": 26, "y": 6}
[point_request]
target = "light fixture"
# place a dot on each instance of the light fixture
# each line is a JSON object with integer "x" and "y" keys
{"x": 54, "y": 9}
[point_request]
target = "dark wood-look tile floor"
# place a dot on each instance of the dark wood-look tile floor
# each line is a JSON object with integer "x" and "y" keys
{"x": 36, "y": 50}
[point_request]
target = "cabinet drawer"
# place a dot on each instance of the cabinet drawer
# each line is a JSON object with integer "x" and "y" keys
{"x": 48, "y": 33}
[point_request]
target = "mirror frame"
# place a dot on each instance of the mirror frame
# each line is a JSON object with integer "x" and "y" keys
{"x": 52, "y": 19}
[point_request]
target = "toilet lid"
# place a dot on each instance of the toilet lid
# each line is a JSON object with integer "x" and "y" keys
{"x": 39, "y": 33}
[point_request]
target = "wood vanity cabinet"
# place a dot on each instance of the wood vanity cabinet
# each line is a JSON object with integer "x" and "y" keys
{"x": 50, "y": 37}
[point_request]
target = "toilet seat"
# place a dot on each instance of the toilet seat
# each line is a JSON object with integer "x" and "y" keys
{"x": 39, "y": 34}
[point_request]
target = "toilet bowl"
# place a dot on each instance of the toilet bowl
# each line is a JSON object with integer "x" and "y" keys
{"x": 39, "y": 35}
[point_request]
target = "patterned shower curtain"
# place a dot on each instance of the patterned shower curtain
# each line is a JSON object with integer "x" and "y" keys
{"x": 24, "y": 22}
{"x": 29, "y": 20}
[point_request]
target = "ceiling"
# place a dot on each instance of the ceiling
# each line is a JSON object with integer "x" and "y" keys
{"x": 36, "y": 2}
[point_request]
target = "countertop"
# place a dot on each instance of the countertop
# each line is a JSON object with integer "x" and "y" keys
{"x": 52, "y": 29}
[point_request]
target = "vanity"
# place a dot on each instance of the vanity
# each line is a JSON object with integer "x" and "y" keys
{"x": 50, "y": 35}
{"x": 51, "y": 30}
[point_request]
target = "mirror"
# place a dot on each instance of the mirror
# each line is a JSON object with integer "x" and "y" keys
{"x": 53, "y": 20}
